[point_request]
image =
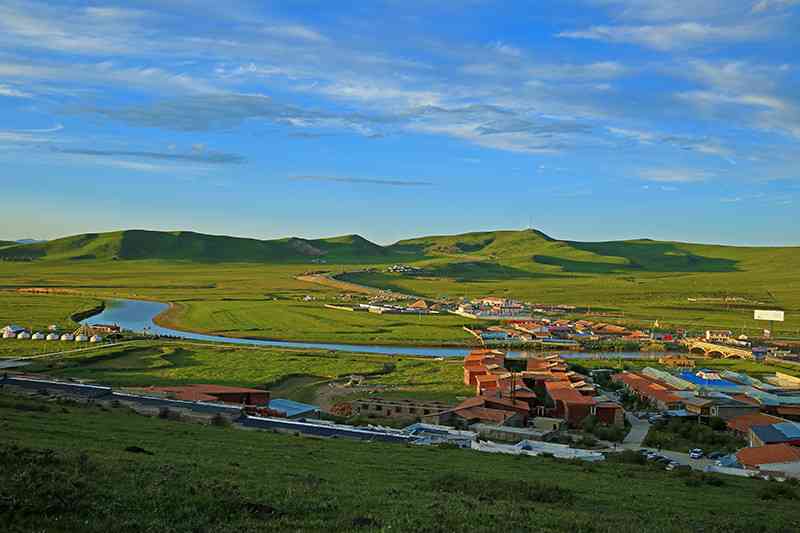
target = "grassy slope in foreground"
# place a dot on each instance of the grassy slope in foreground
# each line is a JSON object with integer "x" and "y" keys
{"x": 65, "y": 468}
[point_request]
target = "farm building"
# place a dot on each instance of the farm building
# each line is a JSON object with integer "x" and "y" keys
{"x": 211, "y": 393}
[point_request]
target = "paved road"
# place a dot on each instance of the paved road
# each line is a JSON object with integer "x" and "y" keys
{"x": 635, "y": 437}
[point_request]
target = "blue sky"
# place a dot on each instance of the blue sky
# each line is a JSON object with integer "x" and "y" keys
{"x": 589, "y": 119}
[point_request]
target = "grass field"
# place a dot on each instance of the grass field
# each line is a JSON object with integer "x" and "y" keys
{"x": 290, "y": 319}
{"x": 65, "y": 467}
{"x": 678, "y": 284}
{"x": 144, "y": 363}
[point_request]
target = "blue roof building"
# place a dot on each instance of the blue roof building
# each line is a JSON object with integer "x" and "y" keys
{"x": 294, "y": 409}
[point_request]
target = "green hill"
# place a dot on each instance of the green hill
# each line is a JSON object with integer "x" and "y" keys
{"x": 5, "y": 244}
{"x": 533, "y": 251}
{"x": 493, "y": 255}
{"x": 71, "y": 467}
{"x": 191, "y": 246}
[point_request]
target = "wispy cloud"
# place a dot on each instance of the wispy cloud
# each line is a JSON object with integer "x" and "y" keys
{"x": 675, "y": 175}
{"x": 197, "y": 156}
{"x": 668, "y": 36}
{"x": 368, "y": 181}
{"x": 296, "y": 31}
{"x": 12, "y": 92}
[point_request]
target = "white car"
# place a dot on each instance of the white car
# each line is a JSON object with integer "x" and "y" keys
{"x": 697, "y": 453}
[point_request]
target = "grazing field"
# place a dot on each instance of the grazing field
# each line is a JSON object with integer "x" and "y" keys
{"x": 144, "y": 363}
{"x": 242, "y": 286}
{"x": 66, "y": 467}
{"x": 289, "y": 319}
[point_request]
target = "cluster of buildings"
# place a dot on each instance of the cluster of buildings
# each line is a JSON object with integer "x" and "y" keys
{"x": 544, "y": 388}
{"x": 382, "y": 307}
{"x": 494, "y": 308}
{"x": 565, "y": 333}
{"x": 764, "y": 412}
{"x": 93, "y": 334}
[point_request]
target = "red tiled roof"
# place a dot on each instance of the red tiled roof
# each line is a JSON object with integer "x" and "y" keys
{"x": 563, "y": 391}
{"x": 484, "y": 413}
{"x": 648, "y": 387}
{"x": 743, "y": 423}
{"x": 769, "y": 454}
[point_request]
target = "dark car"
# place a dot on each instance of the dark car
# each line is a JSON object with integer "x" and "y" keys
{"x": 716, "y": 455}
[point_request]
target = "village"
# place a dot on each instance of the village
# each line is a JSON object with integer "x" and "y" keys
{"x": 535, "y": 405}
{"x": 530, "y": 403}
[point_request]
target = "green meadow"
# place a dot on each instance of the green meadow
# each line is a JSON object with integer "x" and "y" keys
{"x": 67, "y": 467}
{"x": 246, "y": 287}
{"x": 145, "y": 363}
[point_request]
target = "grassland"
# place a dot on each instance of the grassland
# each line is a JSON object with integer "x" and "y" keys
{"x": 145, "y": 363}
{"x": 247, "y": 287}
{"x": 67, "y": 468}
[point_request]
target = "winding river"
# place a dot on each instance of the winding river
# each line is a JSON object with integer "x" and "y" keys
{"x": 138, "y": 315}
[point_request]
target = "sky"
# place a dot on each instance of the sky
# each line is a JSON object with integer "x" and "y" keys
{"x": 587, "y": 119}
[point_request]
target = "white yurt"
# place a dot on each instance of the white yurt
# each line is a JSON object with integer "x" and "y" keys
{"x": 96, "y": 338}
{"x": 9, "y": 335}
{"x": 81, "y": 338}
{"x": 53, "y": 337}
{"x": 67, "y": 337}
{"x": 24, "y": 335}
{"x": 38, "y": 336}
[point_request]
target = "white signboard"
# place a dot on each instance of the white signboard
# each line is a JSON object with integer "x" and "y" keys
{"x": 773, "y": 316}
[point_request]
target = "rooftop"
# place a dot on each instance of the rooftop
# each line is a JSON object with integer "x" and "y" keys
{"x": 769, "y": 454}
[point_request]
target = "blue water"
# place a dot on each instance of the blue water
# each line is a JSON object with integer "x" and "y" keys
{"x": 138, "y": 315}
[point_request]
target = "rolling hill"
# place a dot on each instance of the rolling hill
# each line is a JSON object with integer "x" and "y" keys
{"x": 190, "y": 246}
{"x": 494, "y": 254}
{"x": 5, "y": 244}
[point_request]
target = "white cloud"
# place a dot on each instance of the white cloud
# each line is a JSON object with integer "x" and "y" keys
{"x": 7, "y": 90}
{"x": 675, "y": 175}
{"x": 769, "y": 5}
{"x": 668, "y": 36}
{"x": 506, "y": 49}
{"x": 296, "y": 31}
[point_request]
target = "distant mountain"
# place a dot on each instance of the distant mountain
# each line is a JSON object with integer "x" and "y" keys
{"x": 28, "y": 241}
{"x": 190, "y": 246}
{"x": 481, "y": 255}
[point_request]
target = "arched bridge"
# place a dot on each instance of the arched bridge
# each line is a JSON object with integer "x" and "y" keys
{"x": 723, "y": 351}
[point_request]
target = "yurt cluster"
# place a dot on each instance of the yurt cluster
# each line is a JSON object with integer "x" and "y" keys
{"x": 82, "y": 334}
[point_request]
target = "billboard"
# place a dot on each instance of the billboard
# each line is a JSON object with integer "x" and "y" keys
{"x": 773, "y": 316}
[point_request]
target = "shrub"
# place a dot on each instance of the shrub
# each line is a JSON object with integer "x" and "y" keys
{"x": 774, "y": 490}
{"x": 491, "y": 490}
{"x": 219, "y": 420}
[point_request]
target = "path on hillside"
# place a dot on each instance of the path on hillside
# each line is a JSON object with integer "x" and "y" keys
{"x": 637, "y": 434}
{"x": 24, "y": 361}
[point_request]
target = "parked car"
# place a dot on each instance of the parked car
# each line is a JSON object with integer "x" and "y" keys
{"x": 663, "y": 460}
{"x": 675, "y": 467}
{"x": 716, "y": 455}
{"x": 697, "y": 453}
{"x": 651, "y": 456}
{"x": 671, "y": 465}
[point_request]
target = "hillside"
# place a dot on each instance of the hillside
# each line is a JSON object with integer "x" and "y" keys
{"x": 4, "y": 244}
{"x": 191, "y": 246}
{"x": 532, "y": 250}
{"x": 69, "y": 467}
